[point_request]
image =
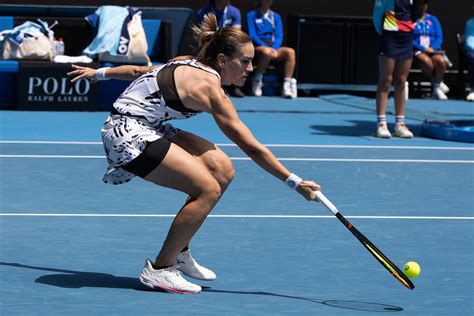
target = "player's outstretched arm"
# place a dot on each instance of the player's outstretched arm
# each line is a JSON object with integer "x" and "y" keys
{"x": 228, "y": 121}
{"x": 126, "y": 72}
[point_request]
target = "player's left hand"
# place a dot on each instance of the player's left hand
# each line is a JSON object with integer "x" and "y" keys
{"x": 80, "y": 72}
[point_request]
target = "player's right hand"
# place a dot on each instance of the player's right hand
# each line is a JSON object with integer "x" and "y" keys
{"x": 308, "y": 189}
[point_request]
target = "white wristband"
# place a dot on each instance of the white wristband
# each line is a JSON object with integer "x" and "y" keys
{"x": 293, "y": 181}
{"x": 100, "y": 74}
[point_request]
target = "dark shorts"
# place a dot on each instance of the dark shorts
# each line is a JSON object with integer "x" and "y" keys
{"x": 149, "y": 159}
{"x": 397, "y": 45}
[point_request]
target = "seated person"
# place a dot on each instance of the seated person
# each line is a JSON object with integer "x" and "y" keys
{"x": 266, "y": 31}
{"x": 227, "y": 15}
{"x": 469, "y": 45}
{"x": 427, "y": 40}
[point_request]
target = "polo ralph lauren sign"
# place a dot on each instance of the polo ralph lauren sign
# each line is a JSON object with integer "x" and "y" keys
{"x": 45, "y": 86}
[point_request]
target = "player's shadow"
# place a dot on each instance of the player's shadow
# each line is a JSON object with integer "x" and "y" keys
{"x": 78, "y": 279}
{"x": 357, "y": 129}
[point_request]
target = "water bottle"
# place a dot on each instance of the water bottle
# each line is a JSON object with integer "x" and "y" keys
{"x": 55, "y": 47}
{"x": 60, "y": 47}
{"x": 448, "y": 61}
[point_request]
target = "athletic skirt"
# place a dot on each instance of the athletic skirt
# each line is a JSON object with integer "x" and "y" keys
{"x": 124, "y": 139}
{"x": 397, "y": 45}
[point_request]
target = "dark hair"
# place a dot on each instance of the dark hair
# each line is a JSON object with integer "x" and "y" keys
{"x": 212, "y": 41}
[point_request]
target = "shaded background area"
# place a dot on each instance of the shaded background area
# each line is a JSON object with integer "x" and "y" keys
{"x": 452, "y": 14}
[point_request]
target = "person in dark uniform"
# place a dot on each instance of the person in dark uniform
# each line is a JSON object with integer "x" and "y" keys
{"x": 394, "y": 21}
{"x": 139, "y": 142}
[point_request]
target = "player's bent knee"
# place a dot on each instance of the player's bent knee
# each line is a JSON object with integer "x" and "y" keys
{"x": 222, "y": 169}
{"x": 210, "y": 191}
{"x": 226, "y": 171}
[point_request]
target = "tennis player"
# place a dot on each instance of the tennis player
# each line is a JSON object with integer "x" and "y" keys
{"x": 138, "y": 142}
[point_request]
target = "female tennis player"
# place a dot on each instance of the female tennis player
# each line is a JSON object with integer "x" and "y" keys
{"x": 137, "y": 141}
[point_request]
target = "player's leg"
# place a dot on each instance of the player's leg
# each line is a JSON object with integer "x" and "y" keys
{"x": 400, "y": 75}
{"x": 211, "y": 156}
{"x": 169, "y": 165}
{"x": 221, "y": 168}
{"x": 181, "y": 171}
{"x": 386, "y": 67}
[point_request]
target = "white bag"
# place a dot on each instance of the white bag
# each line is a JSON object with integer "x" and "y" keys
{"x": 132, "y": 50}
{"x": 27, "y": 41}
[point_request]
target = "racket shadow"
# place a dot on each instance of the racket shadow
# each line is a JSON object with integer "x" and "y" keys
{"x": 344, "y": 304}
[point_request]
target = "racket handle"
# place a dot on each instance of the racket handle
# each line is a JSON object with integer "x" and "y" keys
{"x": 321, "y": 197}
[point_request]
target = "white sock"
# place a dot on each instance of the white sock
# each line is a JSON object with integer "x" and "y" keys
{"x": 258, "y": 76}
{"x": 287, "y": 79}
{"x": 400, "y": 119}
{"x": 382, "y": 119}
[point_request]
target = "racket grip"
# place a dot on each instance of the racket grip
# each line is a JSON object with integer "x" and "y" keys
{"x": 321, "y": 197}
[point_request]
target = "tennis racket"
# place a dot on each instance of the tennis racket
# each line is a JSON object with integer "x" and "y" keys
{"x": 384, "y": 261}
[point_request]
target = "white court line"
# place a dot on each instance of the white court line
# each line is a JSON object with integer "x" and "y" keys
{"x": 268, "y": 145}
{"x": 236, "y": 216}
{"x": 279, "y": 158}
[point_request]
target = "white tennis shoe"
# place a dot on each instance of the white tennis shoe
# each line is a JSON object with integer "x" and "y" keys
{"x": 401, "y": 130}
{"x": 294, "y": 88}
{"x": 470, "y": 97}
{"x": 257, "y": 86}
{"x": 439, "y": 94}
{"x": 186, "y": 264}
{"x": 382, "y": 131}
{"x": 286, "y": 91}
{"x": 168, "y": 279}
{"x": 444, "y": 87}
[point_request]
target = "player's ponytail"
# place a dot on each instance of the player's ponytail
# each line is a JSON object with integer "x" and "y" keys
{"x": 212, "y": 41}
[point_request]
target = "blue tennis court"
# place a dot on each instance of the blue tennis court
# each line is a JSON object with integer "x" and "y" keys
{"x": 71, "y": 245}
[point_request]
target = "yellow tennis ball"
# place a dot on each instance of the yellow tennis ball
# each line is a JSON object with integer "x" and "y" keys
{"x": 412, "y": 269}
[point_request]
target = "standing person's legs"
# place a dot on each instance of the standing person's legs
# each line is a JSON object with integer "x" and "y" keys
{"x": 386, "y": 67}
{"x": 400, "y": 75}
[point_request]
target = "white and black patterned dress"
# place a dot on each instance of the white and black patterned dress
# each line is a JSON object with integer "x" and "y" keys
{"x": 139, "y": 117}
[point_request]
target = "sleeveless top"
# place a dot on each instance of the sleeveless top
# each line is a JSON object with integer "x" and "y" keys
{"x": 139, "y": 115}
{"x": 153, "y": 96}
